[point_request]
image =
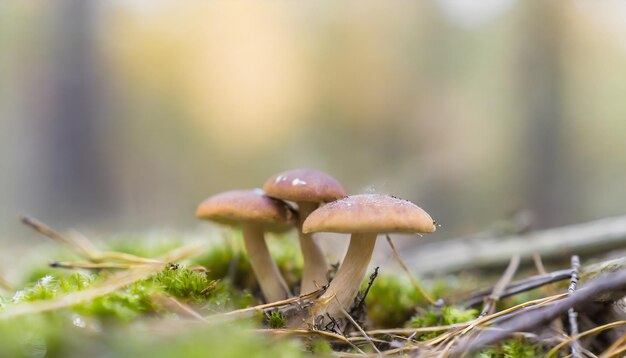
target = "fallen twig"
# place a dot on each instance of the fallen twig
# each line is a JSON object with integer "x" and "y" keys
{"x": 451, "y": 255}
{"x": 571, "y": 313}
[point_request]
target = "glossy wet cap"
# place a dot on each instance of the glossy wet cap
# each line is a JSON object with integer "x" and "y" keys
{"x": 369, "y": 213}
{"x": 237, "y": 206}
{"x": 304, "y": 185}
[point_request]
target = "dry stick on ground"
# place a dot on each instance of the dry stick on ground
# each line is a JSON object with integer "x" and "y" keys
{"x": 571, "y": 313}
{"x": 498, "y": 289}
{"x": 588, "y": 272}
{"x": 463, "y": 253}
{"x": 408, "y": 272}
{"x": 81, "y": 245}
{"x": 520, "y": 286}
{"x": 530, "y": 319}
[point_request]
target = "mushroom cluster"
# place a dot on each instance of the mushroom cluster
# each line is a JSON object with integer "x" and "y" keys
{"x": 322, "y": 206}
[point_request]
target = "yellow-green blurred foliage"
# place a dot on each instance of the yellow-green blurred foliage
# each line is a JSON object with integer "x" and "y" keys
{"x": 125, "y": 114}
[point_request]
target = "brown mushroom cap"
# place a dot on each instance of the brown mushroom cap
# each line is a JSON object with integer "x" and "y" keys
{"x": 235, "y": 206}
{"x": 304, "y": 185}
{"x": 369, "y": 213}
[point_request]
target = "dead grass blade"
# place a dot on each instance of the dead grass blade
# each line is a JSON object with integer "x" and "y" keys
{"x": 82, "y": 246}
{"x": 595, "y": 330}
{"x": 408, "y": 272}
{"x": 500, "y": 286}
{"x": 107, "y": 286}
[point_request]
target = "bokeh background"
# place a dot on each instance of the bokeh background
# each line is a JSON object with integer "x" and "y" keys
{"x": 122, "y": 115}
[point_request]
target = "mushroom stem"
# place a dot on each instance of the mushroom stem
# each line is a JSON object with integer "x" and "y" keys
{"x": 315, "y": 264}
{"x": 271, "y": 281}
{"x": 345, "y": 286}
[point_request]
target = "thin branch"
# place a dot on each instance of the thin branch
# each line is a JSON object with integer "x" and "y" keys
{"x": 462, "y": 253}
{"x": 571, "y": 313}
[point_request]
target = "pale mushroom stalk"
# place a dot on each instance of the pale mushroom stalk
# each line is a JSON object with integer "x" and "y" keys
{"x": 364, "y": 216}
{"x": 345, "y": 286}
{"x": 315, "y": 264}
{"x": 271, "y": 281}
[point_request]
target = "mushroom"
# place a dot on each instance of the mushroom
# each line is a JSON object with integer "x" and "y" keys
{"x": 307, "y": 188}
{"x": 364, "y": 216}
{"x": 255, "y": 213}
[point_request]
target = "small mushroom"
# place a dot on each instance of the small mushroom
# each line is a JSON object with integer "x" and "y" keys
{"x": 364, "y": 216}
{"x": 307, "y": 188}
{"x": 255, "y": 213}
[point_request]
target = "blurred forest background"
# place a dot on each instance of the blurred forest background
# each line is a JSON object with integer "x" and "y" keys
{"x": 123, "y": 115}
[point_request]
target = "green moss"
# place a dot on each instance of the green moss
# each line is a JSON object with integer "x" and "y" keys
{"x": 48, "y": 287}
{"x": 181, "y": 282}
{"x": 124, "y": 305}
{"x": 512, "y": 348}
{"x": 320, "y": 346}
{"x": 60, "y": 335}
{"x": 391, "y": 301}
{"x": 135, "y": 320}
{"x": 276, "y": 320}
{"x": 441, "y": 317}
{"x": 136, "y": 299}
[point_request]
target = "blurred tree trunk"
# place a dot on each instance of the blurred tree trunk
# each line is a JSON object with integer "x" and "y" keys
{"x": 75, "y": 181}
{"x": 548, "y": 186}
